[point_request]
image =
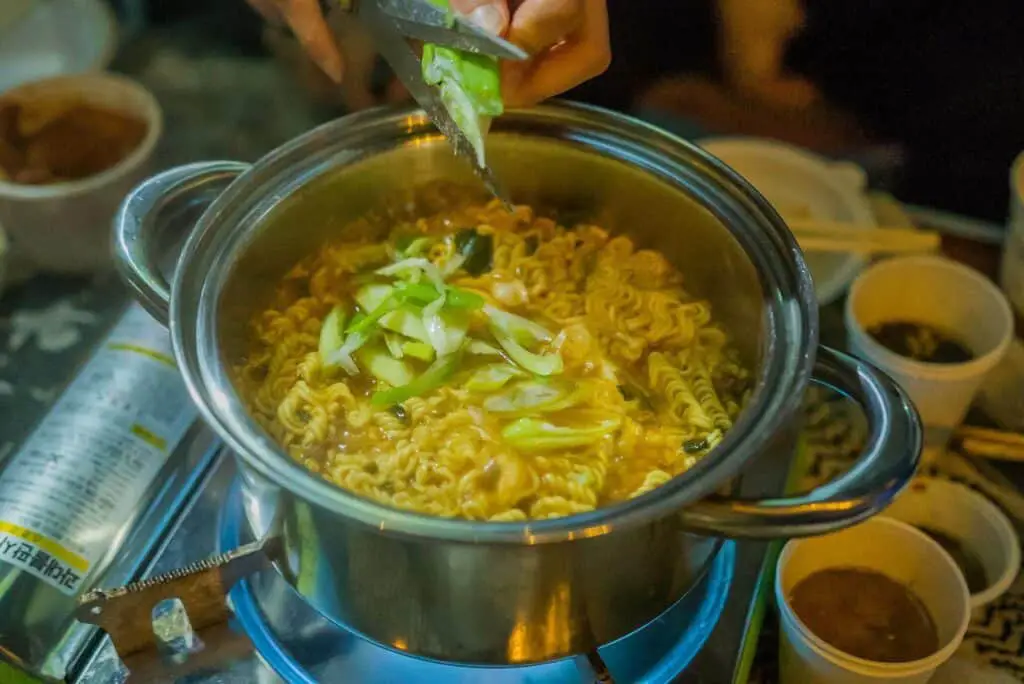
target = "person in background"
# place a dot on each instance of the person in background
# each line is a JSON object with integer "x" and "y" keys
{"x": 928, "y": 92}
{"x": 567, "y": 38}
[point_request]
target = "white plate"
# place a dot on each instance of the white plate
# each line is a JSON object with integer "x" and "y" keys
{"x": 57, "y": 37}
{"x": 801, "y": 184}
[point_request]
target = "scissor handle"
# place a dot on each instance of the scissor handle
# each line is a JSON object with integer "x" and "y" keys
{"x": 428, "y": 22}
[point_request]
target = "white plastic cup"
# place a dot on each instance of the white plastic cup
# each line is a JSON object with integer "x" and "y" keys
{"x": 947, "y": 295}
{"x": 971, "y": 519}
{"x": 895, "y": 549}
{"x": 66, "y": 227}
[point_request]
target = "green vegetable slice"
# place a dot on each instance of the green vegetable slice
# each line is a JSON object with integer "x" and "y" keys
{"x": 492, "y": 378}
{"x": 370, "y": 297}
{"x": 481, "y": 348}
{"x": 393, "y": 342}
{"x": 464, "y": 299}
{"x": 531, "y": 396}
{"x": 446, "y": 329}
{"x": 418, "y": 350}
{"x": 539, "y": 435}
{"x": 368, "y": 322}
{"x": 417, "y": 293}
{"x": 539, "y": 364}
{"x": 406, "y": 320}
{"x": 382, "y": 366}
{"x": 431, "y": 379}
{"x": 469, "y": 85}
{"x": 522, "y": 330}
{"x": 411, "y": 269}
{"x": 332, "y": 334}
{"x": 410, "y": 245}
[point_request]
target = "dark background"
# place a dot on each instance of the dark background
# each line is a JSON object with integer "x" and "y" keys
{"x": 942, "y": 81}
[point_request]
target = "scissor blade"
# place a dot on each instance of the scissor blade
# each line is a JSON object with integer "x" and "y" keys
{"x": 408, "y": 68}
{"x": 421, "y": 20}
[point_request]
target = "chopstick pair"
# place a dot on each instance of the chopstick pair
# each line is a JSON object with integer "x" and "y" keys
{"x": 995, "y": 445}
{"x": 830, "y": 236}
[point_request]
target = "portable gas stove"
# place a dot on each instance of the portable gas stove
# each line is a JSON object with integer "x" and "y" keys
{"x": 289, "y": 641}
{"x": 190, "y": 510}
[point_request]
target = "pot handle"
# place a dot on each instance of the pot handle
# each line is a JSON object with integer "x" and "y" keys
{"x": 886, "y": 464}
{"x": 140, "y": 240}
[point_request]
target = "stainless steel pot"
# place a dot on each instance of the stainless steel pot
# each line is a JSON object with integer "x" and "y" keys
{"x": 511, "y": 592}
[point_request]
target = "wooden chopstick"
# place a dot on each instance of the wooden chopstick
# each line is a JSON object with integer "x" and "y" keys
{"x": 997, "y": 445}
{"x": 828, "y": 236}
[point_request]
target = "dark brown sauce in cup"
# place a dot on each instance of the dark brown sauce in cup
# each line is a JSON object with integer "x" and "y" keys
{"x": 921, "y": 342}
{"x": 865, "y": 614}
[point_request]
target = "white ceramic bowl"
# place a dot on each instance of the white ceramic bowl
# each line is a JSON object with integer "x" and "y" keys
{"x": 796, "y": 181}
{"x": 65, "y": 227}
{"x": 895, "y": 549}
{"x": 971, "y": 519}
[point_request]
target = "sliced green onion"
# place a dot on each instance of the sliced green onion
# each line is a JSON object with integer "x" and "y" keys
{"x": 417, "y": 293}
{"x": 538, "y": 435}
{"x": 332, "y": 333}
{"x": 464, "y": 299}
{"x": 522, "y": 330}
{"x": 446, "y": 329}
{"x": 492, "y": 378}
{"x": 369, "y": 321}
{"x": 469, "y": 85}
{"x": 415, "y": 265}
{"x": 410, "y": 245}
{"x": 406, "y": 320}
{"x": 481, "y": 348}
{"x": 533, "y": 397}
{"x": 343, "y": 356}
{"x": 393, "y": 342}
{"x": 370, "y": 297}
{"x": 431, "y": 379}
{"x": 540, "y": 364}
{"x": 382, "y": 366}
{"x": 418, "y": 350}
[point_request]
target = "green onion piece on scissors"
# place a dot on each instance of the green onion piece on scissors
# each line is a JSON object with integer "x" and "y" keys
{"x": 469, "y": 85}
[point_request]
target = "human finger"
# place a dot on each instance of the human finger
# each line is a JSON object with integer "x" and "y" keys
{"x": 490, "y": 15}
{"x": 309, "y": 26}
{"x": 538, "y": 25}
{"x": 578, "y": 57}
{"x": 268, "y": 10}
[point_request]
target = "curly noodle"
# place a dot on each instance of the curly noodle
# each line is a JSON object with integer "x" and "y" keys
{"x": 647, "y": 352}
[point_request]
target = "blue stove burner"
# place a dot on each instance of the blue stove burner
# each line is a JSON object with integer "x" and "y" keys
{"x": 302, "y": 646}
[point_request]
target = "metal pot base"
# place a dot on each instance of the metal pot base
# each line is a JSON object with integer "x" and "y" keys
{"x": 301, "y": 645}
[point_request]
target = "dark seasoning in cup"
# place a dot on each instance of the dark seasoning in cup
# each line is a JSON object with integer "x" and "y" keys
{"x": 866, "y": 614}
{"x": 921, "y": 342}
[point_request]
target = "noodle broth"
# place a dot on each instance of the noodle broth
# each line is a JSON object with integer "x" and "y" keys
{"x": 491, "y": 366}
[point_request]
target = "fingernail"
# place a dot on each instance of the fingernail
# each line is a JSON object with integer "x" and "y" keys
{"x": 331, "y": 66}
{"x": 489, "y": 18}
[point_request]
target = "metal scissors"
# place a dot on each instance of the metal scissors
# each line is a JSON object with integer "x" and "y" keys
{"x": 392, "y": 22}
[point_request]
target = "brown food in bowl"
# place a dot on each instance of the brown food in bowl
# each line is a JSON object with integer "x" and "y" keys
{"x": 51, "y": 140}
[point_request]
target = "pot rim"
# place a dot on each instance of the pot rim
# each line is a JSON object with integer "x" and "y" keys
{"x": 787, "y": 293}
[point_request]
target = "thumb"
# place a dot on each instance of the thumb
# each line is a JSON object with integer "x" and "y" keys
{"x": 490, "y": 15}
